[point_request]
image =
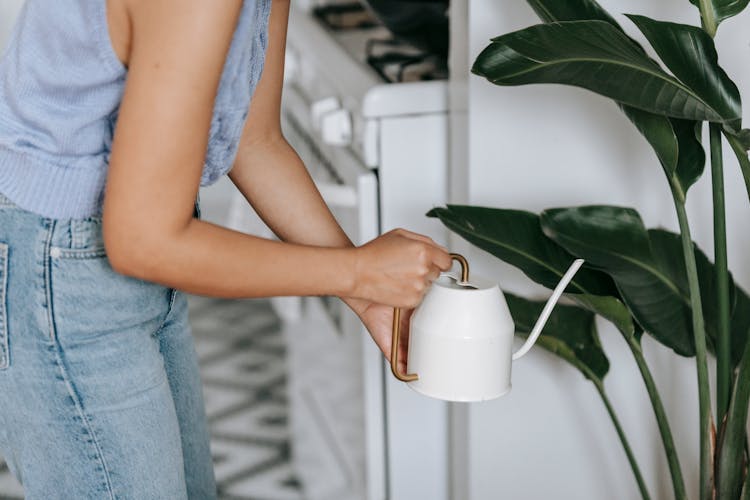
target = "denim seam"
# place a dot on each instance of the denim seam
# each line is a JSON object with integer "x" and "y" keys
{"x": 47, "y": 279}
{"x": 82, "y": 253}
{"x": 172, "y": 295}
{"x": 4, "y": 348}
{"x": 72, "y": 393}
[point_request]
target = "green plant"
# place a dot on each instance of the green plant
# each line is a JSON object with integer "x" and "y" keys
{"x": 641, "y": 280}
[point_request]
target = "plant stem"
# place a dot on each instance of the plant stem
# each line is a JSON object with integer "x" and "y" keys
{"x": 678, "y": 483}
{"x": 699, "y": 335}
{"x": 624, "y": 441}
{"x": 723, "y": 347}
{"x": 730, "y": 460}
{"x": 708, "y": 17}
{"x": 742, "y": 158}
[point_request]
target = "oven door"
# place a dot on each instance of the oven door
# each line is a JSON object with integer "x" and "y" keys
{"x": 336, "y": 373}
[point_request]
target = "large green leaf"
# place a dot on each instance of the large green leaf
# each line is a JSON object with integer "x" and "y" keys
{"x": 677, "y": 145}
{"x": 723, "y": 9}
{"x": 569, "y": 333}
{"x": 691, "y": 56}
{"x": 647, "y": 266}
{"x": 611, "y": 309}
{"x": 594, "y": 55}
{"x": 516, "y": 237}
{"x": 691, "y": 158}
{"x": 570, "y": 10}
{"x": 615, "y": 240}
{"x": 667, "y": 250}
{"x": 679, "y": 151}
{"x": 744, "y": 138}
{"x": 740, "y": 150}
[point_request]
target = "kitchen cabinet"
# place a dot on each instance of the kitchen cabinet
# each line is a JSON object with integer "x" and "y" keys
{"x": 543, "y": 146}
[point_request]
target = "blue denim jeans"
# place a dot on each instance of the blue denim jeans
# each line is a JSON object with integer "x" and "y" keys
{"x": 100, "y": 393}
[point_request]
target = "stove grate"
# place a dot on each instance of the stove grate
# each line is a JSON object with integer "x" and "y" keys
{"x": 345, "y": 16}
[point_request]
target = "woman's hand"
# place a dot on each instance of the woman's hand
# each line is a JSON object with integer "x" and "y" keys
{"x": 394, "y": 270}
{"x": 397, "y": 268}
{"x": 378, "y": 319}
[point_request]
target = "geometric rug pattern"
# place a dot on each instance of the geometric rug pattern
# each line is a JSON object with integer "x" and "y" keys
{"x": 243, "y": 367}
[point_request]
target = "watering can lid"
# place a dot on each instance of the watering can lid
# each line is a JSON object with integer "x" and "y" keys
{"x": 453, "y": 282}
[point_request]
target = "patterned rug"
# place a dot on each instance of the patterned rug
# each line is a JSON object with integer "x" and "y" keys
{"x": 242, "y": 357}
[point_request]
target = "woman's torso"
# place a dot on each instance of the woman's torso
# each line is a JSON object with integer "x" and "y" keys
{"x": 61, "y": 83}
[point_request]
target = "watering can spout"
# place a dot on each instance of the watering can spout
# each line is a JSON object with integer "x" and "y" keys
{"x": 559, "y": 289}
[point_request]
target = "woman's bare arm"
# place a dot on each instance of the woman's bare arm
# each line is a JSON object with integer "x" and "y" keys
{"x": 266, "y": 161}
{"x": 178, "y": 48}
{"x": 297, "y": 213}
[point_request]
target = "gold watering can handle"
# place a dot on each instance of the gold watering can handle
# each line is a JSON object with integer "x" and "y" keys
{"x": 410, "y": 377}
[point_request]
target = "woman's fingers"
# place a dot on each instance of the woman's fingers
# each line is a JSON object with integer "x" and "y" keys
{"x": 420, "y": 237}
{"x": 398, "y": 268}
{"x": 438, "y": 254}
{"x": 433, "y": 275}
{"x": 444, "y": 261}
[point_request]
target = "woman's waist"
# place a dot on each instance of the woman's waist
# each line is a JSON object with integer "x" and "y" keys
{"x": 52, "y": 189}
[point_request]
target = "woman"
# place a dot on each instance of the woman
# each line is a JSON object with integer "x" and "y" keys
{"x": 112, "y": 113}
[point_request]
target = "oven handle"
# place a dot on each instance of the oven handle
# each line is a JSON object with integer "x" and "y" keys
{"x": 336, "y": 195}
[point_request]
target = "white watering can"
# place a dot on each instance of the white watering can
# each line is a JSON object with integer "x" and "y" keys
{"x": 461, "y": 338}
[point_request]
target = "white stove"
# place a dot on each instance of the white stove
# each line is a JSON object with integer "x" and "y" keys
{"x": 378, "y": 151}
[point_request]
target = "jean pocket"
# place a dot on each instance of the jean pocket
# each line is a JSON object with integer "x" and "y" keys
{"x": 4, "y": 351}
{"x": 79, "y": 239}
{"x": 91, "y": 301}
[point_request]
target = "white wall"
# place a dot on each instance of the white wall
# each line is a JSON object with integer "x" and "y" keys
{"x": 542, "y": 146}
{"x": 8, "y": 11}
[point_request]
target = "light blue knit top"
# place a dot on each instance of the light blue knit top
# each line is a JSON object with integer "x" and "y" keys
{"x": 61, "y": 84}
